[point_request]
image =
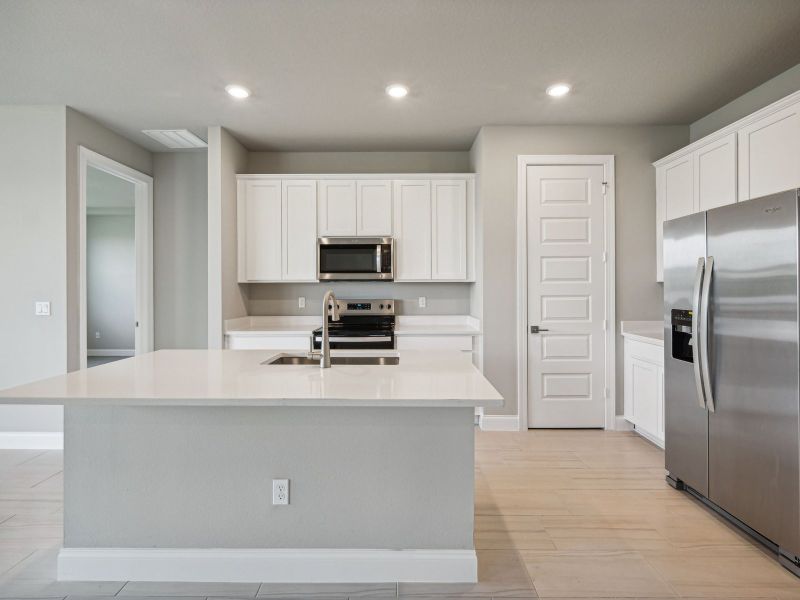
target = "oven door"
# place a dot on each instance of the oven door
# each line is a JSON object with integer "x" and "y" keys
{"x": 355, "y": 258}
{"x": 357, "y": 341}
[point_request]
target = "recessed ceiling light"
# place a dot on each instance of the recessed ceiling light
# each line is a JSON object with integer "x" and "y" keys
{"x": 237, "y": 91}
{"x": 558, "y": 89}
{"x": 397, "y": 90}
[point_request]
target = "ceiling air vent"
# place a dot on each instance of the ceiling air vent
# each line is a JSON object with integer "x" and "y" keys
{"x": 175, "y": 138}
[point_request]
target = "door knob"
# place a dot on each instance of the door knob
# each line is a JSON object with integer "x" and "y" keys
{"x": 537, "y": 329}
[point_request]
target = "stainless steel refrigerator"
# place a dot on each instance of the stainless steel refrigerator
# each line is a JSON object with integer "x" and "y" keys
{"x": 731, "y": 360}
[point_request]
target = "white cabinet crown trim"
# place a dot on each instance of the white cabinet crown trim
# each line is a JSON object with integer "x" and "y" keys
{"x": 732, "y": 128}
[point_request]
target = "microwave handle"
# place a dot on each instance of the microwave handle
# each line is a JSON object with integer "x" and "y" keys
{"x": 377, "y": 258}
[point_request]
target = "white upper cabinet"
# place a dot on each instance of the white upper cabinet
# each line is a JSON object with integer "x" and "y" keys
{"x": 299, "y": 230}
{"x": 412, "y": 222}
{"x": 756, "y": 156}
{"x": 337, "y": 207}
{"x": 769, "y": 154}
{"x": 374, "y": 208}
{"x": 715, "y": 173}
{"x": 449, "y": 230}
{"x": 259, "y": 224}
{"x": 431, "y": 218}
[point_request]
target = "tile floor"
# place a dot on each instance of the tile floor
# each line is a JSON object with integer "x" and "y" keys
{"x": 559, "y": 514}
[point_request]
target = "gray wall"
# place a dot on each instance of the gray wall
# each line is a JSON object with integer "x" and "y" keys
{"x": 180, "y": 246}
{"x": 358, "y": 162}
{"x": 84, "y": 131}
{"x": 32, "y": 267}
{"x": 767, "y": 93}
{"x": 201, "y": 477}
{"x": 110, "y": 281}
{"x": 281, "y": 299}
{"x": 226, "y": 298}
{"x": 638, "y": 295}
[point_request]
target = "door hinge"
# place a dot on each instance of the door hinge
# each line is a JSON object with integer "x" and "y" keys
{"x": 605, "y": 324}
{"x": 605, "y": 187}
{"x": 605, "y": 256}
{"x": 607, "y": 392}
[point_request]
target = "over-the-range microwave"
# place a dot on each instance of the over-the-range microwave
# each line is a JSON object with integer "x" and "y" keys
{"x": 355, "y": 258}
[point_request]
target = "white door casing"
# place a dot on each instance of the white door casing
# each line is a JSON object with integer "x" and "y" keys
{"x": 143, "y": 240}
{"x": 566, "y": 289}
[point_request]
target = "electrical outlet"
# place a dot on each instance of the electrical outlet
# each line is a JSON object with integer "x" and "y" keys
{"x": 280, "y": 491}
{"x": 301, "y": 302}
{"x": 423, "y": 302}
{"x": 97, "y": 335}
{"x": 42, "y": 309}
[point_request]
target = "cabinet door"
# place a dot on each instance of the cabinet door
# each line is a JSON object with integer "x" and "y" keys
{"x": 679, "y": 188}
{"x": 374, "y": 208}
{"x": 449, "y": 230}
{"x": 259, "y": 230}
{"x": 300, "y": 230}
{"x": 715, "y": 173}
{"x": 769, "y": 154}
{"x": 337, "y": 207}
{"x": 412, "y": 222}
{"x": 645, "y": 386}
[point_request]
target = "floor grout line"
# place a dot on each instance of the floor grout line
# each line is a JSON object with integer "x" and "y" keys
{"x": 47, "y": 478}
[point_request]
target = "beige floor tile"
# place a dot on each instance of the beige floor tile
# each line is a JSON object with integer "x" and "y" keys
{"x": 594, "y": 575}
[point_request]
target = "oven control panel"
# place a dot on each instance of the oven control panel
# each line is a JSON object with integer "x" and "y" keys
{"x": 366, "y": 307}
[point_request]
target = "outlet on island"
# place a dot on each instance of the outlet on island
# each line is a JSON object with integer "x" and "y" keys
{"x": 423, "y": 302}
{"x": 280, "y": 491}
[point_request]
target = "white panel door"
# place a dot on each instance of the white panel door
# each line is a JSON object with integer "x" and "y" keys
{"x": 715, "y": 173}
{"x": 337, "y": 207}
{"x": 566, "y": 296}
{"x": 769, "y": 154}
{"x": 259, "y": 230}
{"x": 679, "y": 188}
{"x": 412, "y": 222}
{"x": 374, "y": 207}
{"x": 449, "y": 230}
{"x": 300, "y": 230}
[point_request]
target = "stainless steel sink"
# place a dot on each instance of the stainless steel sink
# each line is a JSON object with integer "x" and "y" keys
{"x": 304, "y": 359}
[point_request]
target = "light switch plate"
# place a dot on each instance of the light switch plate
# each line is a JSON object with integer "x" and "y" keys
{"x": 423, "y": 302}
{"x": 42, "y": 309}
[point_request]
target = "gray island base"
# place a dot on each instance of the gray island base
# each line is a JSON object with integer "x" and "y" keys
{"x": 162, "y": 487}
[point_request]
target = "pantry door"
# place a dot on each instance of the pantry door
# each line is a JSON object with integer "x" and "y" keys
{"x": 566, "y": 328}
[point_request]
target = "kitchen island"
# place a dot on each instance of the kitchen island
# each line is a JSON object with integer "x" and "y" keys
{"x": 170, "y": 458}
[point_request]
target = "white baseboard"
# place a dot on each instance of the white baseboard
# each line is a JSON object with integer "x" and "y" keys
{"x": 267, "y": 565}
{"x": 110, "y": 352}
{"x": 500, "y": 422}
{"x": 31, "y": 440}
{"x": 622, "y": 424}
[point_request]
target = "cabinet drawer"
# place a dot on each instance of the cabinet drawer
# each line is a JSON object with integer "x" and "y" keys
{"x": 434, "y": 342}
{"x": 268, "y": 342}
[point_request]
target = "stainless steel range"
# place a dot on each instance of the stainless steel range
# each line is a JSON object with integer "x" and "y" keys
{"x": 362, "y": 325}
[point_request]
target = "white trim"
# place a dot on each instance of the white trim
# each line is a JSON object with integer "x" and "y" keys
{"x": 622, "y": 424}
{"x": 370, "y": 176}
{"x": 143, "y": 227}
{"x": 111, "y": 352}
{"x": 500, "y": 423}
{"x": 523, "y": 161}
{"x": 31, "y": 440}
{"x": 653, "y": 439}
{"x": 335, "y": 565}
{"x": 734, "y": 127}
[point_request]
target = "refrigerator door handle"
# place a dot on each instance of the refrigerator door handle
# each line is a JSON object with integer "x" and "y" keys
{"x": 704, "y": 362}
{"x": 696, "y": 332}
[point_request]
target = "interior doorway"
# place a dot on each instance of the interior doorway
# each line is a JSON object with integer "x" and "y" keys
{"x": 566, "y": 289}
{"x": 116, "y": 267}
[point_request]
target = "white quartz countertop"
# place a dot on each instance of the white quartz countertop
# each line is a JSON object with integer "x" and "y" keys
{"x": 237, "y": 378}
{"x": 434, "y": 325}
{"x": 650, "y": 332}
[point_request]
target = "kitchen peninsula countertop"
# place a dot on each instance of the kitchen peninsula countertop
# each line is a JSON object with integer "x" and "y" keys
{"x": 429, "y": 325}
{"x": 650, "y": 332}
{"x": 237, "y": 378}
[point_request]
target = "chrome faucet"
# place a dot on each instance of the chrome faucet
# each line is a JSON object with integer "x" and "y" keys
{"x": 325, "y": 346}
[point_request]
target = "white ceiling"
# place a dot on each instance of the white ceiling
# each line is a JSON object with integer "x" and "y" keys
{"x": 318, "y": 68}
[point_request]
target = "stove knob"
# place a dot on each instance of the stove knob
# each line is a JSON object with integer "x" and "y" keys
{"x": 381, "y": 306}
{"x": 389, "y": 306}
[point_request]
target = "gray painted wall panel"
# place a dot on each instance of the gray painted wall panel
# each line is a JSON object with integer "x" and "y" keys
{"x": 180, "y": 231}
{"x": 174, "y": 477}
{"x": 358, "y": 162}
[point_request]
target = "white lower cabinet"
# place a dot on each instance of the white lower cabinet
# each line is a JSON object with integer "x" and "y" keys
{"x": 644, "y": 388}
{"x": 268, "y": 342}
